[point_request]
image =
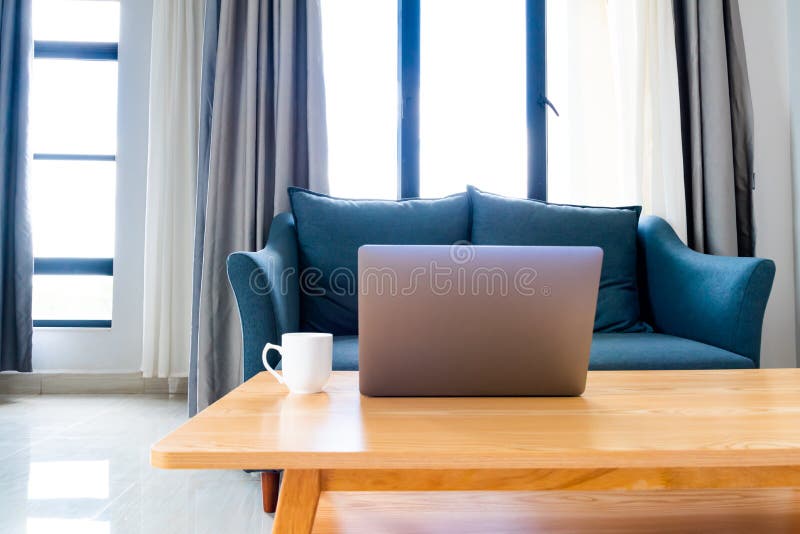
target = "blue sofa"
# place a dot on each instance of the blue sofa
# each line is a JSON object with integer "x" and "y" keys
{"x": 705, "y": 311}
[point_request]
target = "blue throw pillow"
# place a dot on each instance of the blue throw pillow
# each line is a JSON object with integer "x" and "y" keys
{"x": 498, "y": 220}
{"x": 330, "y": 230}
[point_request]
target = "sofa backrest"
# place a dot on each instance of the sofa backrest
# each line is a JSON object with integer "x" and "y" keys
{"x": 499, "y": 220}
{"x": 330, "y": 231}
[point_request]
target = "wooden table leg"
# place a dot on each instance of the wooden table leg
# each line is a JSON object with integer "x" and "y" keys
{"x": 270, "y": 482}
{"x": 297, "y": 502}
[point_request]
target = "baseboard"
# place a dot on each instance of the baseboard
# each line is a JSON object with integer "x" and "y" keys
{"x": 43, "y": 383}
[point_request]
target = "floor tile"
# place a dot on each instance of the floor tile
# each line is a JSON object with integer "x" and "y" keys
{"x": 80, "y": 463}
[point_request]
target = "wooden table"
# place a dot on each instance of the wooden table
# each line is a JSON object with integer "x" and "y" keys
{"x": 632, "y": 430}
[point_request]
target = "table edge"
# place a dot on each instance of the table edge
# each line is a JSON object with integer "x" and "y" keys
{"x": 172, "y": 459}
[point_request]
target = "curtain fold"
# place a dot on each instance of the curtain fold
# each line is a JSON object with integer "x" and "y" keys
{"x": 717, "y": 125}
{"x": 171, "y": 182}
{"x": 16, "y": 248}
{"x": 267, "y": 132}
{"x": 211, "y": 33}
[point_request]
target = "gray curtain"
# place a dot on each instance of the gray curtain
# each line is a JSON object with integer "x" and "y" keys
{"x": 16, "y": 249}
{"x": 209, "y": 66}
{"x": 717, "y": 126}
{"x": 267, "y": 132}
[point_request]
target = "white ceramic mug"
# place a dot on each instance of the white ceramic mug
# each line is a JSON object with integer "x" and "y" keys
{"x": 306, "y": 361}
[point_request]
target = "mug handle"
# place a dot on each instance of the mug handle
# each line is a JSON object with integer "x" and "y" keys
{"x": 267, "y": 366}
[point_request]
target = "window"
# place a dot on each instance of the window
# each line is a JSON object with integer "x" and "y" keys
{"x": 432, "y": 95}
{"x": 582, "y": 142}
{"x": 361, "y": 91}
{"x": 619, "y": 143}
{"x": 472, "y": 97}
{"x": 72, "y": 135}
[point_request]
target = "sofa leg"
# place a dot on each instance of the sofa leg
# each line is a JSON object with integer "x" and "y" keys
{"x": 270, "y": 482}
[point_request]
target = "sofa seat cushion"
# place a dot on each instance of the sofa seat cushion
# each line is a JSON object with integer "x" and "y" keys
{"x": 644, "y": 351}
{"x": 345, "y": 353}
{"x": 330, "y": 230}
{"x": 498, "y": 220}
{"x": 650, "y": 351}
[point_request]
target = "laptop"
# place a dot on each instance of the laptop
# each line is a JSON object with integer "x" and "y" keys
{"x": 466, "y": 320}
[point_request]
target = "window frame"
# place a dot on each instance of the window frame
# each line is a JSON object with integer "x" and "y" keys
{"x": 86, "y": 51}
{"x": 408, "y": 76}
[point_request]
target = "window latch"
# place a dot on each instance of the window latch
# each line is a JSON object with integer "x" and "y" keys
{"x": 543, "y": 101}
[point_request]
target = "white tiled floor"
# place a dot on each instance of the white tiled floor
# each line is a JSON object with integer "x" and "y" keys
{"x": 80, "y": 464}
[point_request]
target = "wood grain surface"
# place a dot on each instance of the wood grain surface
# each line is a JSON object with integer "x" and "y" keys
{"x": 626, "y": 419}
{"x": 555, "y": 512}
{"x": 297, "y": 501}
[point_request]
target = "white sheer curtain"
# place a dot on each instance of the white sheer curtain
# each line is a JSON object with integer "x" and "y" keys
{"x": 176, "y": 52}
{"x": 612, "y": 74}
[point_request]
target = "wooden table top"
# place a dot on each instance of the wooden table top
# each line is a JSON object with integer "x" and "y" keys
{"x": 625, "y": 419}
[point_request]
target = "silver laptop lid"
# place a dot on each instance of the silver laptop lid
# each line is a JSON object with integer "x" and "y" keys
{"x": 475, "y": 320}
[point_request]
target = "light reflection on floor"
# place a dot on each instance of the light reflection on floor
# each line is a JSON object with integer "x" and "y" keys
{"x": 84, "y": 479}
{"x": 80, "y": 464}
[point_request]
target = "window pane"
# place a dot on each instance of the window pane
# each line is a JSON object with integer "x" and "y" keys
{"x": 76, "y": 20}
{"x": 472, "y": 97}
{"x": 73, "y": 107}
{"x": 360, "y": 54}
{"x": 72, "y": 208}
{"x": 76, "y": 297}
{"x": 582, "y": 143}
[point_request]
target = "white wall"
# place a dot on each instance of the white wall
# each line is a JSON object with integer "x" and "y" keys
{"x": 766, "y": 47}
{"x": 120, "y": 347}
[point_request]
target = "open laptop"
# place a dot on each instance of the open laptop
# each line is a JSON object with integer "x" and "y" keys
{"x": 467, "y": 320}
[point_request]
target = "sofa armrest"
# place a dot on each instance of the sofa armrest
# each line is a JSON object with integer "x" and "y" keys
{"x": 717, "y": 300}
{"x": 267, "y": 292}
